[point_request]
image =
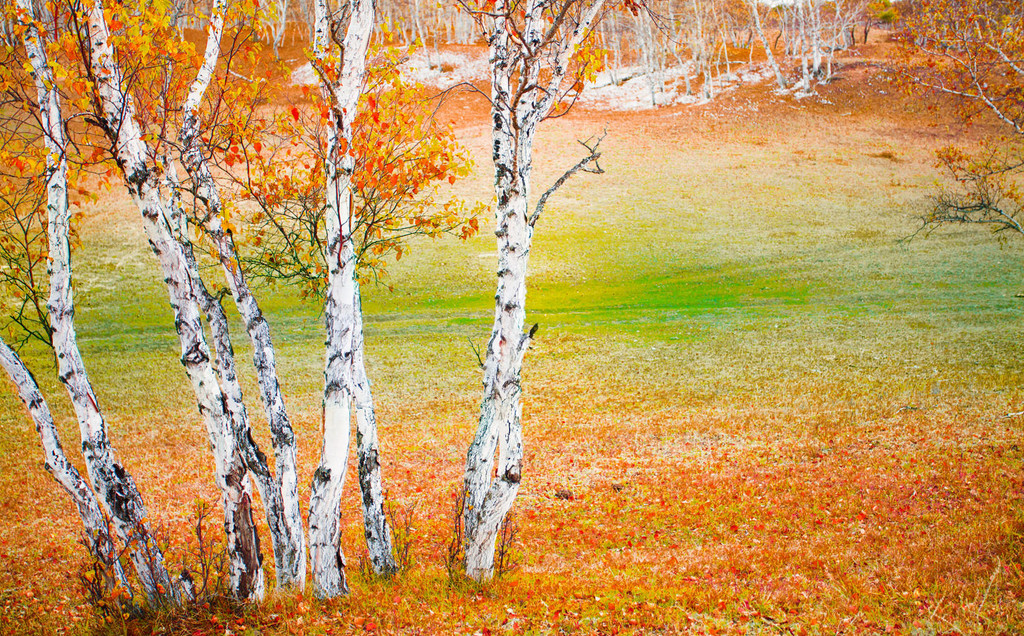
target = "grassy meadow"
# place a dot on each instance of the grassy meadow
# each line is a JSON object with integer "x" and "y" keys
{"x": 772, "y": 414}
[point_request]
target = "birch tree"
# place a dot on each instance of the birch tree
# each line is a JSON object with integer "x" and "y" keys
{"x": 130, "y": 76}
{"x": 530, "y": 49}
{"x": 970, "y": 55}
{"x": 101, "y": 544}
{"x": 397, "y": 160}
{"x": 116, "y": 116}
{"x": 341, "y": 80}
{"x": 280, "y": 494}
{"x": 120, "y": 499}
{"x": 756, "y": 14}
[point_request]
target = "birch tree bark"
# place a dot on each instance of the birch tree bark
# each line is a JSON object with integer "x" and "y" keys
{"x": 289, "y": 552}
{"x": 280, "y": 496}
{"x": 375, "y": 524}
{"x": 135, "y": 161}
{"x": 700, "y": 50}
{"x": 116, "y": 488}
{"x": 801, "y": 37}
{"x": 779, "y": 77}
{"x": 816, "y": 37}
{"x": 99, "y": 541}
{"x": 341, "y": 81}
{"x": 543, "y": 40}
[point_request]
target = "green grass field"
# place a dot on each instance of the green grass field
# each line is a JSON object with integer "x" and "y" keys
{"x": 733, "y": 332}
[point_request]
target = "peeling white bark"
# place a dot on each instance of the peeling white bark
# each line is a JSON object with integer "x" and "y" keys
{"x": 135, "y": 161}
{"x": 117, "y": 491}
{"x": 280, "y": 496}
{"x": 520, "y": 100}
{"x": 97, "y": 534}
{"x": 343, "y": 390}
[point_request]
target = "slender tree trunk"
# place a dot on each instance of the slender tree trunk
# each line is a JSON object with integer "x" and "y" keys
{"x": 500, "y": 427}
{"x": 343, "y": 324}
{"x": 520, "y": 101}
{"x": 133, "y": 156}
{"x": 377, "y": 530}
{"x": 804, "y": 45}
{"x": 289, "y": 553}
{"x": 116, "y": 488}
{"x": 280, "y": 496}
{"x": 281, "y": 26}
{"x": 97, "y": 533}
{"x": 779, "y": 77}
{"x": 703, "y": 58}
{"x": 816, "y": 40}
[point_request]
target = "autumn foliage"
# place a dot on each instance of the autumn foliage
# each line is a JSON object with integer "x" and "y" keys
{"x": 969, "y": 55}
{"x": 405, "y": 161}
{"x": 809, "y": 502}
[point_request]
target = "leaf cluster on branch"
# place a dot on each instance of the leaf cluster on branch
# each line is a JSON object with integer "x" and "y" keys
{"x": 404, "y": 161}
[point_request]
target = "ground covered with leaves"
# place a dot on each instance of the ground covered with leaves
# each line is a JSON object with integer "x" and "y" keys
{"x": 753, "y": 406}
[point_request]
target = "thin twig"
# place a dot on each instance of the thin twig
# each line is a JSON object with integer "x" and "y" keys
{"x": 593, "y": 157}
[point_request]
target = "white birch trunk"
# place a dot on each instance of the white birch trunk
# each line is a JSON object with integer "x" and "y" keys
{"x": 98, "y": 539}
{"x": 280, "y": 496}
{"x": 117, "y": 490}
{"x": 270, "y": 492}
{"x": 519, "y": 104}
{"x": 801, "y": 16}
{"x": 342, "y": 323}
{"x": 376, "y": 528}
{"x": 816, "y": 39}
{"x": 133, "y": 157}
{"x": 703, "y": 58}
{"x": 779, "y": 77}
{"x": 489, "y": 500}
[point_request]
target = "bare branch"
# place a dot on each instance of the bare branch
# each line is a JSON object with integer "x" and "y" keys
{"x": 593, "y": 157}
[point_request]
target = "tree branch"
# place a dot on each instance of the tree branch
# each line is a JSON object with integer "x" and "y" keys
{"x": 593, "y": 156}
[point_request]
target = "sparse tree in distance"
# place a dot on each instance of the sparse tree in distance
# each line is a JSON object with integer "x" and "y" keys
{"x": 971, "y": 56}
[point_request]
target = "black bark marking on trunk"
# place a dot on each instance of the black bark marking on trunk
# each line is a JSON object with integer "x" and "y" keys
{"x": 137, "y": 177}
{"x": 334, "y": 386}
{"x": 256, "y": 319}
{"x": 248, "y": 543}
{"x": 368, "y": 463}
{"x": 194, "y": 355}
{"x": 120, "y": 496}
{"x": 261, "y": 458}
{"x": 283, "y": 437}
{"x": 340, "y": 561}
{"x": 513, "y": 474}
{"x": 321, "y": 475}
